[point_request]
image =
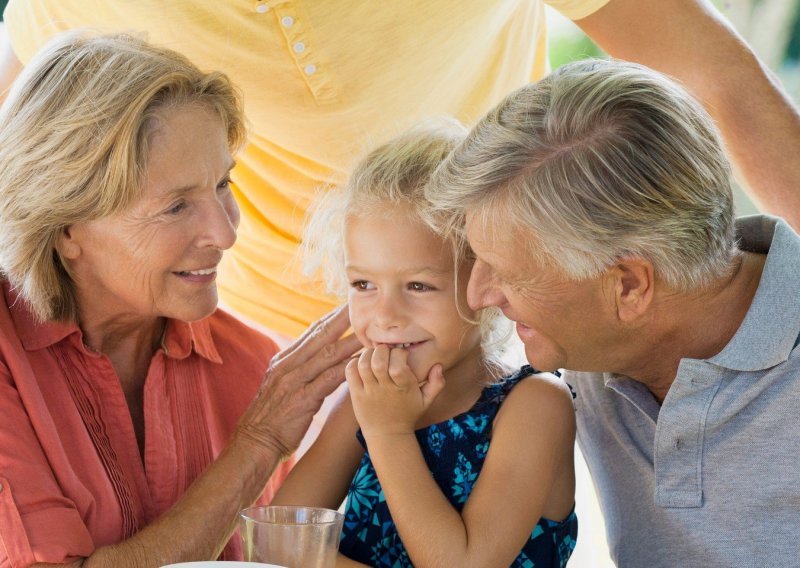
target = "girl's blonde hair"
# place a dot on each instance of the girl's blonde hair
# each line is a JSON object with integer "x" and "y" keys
{"x": 394, "y": 174}
{"x": 74, "y": 135}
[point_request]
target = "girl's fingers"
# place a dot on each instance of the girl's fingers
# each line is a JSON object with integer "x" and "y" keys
{"x": 379, "y": 364}
{"x": 398, "y": 369}
{"x": 434, "y": 384}
{"x": 351, "y": 374}
{"x": 365, "y": 368}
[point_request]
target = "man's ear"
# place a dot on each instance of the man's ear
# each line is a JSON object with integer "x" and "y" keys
{"x": 632, "y": 282}
{"x": 67, "y": 244}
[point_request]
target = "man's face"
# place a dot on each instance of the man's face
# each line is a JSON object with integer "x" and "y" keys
{"x": 563, "y": 323}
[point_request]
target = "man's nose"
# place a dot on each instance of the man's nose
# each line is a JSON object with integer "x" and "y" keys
{"x": 481, "y": 292}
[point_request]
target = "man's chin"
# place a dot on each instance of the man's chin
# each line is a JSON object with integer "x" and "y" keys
{"x": 538, "y": 361}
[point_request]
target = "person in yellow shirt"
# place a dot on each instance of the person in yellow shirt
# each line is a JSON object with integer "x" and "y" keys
{"x": 324, "y": 81}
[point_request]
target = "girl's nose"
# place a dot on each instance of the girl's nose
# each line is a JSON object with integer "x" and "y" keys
{"x": 388, "y": 312}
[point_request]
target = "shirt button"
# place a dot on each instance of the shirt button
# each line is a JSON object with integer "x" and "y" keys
{"x": 262, "y": 8}
{"x": 310, "y": 69}
{"x": 299, "y": 47}
{"x": 287, "y": 21}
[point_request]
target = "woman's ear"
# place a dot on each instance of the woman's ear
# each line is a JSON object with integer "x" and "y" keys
{"x": 633, "y": 283}
{"x": 67, "y": 244}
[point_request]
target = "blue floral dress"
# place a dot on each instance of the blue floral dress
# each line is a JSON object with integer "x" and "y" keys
{"x": 454, "y": 451}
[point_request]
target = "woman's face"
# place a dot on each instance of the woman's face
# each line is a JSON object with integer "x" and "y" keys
{"x": 159, "y": 257}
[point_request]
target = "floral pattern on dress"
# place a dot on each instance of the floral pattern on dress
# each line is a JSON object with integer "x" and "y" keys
{"x": 454, "y": 451}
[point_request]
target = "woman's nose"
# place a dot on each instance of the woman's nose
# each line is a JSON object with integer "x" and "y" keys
{"x": 221, "y": 220}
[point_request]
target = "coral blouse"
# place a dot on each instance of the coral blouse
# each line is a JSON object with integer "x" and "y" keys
{"x": 72, "y": 478}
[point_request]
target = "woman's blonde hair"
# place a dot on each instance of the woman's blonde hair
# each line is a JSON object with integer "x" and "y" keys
{"x": 74, "y": 135}
{"x": 391, "y": 178}
{"x": 599, "y": 161}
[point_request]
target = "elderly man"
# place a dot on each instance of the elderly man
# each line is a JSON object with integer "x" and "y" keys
{"x": 598, "y": 204}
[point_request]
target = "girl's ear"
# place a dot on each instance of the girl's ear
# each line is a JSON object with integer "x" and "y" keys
{"x": 633, "y": 284}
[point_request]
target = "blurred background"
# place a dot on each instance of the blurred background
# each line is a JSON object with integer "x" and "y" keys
{"x": 772, "y": 28}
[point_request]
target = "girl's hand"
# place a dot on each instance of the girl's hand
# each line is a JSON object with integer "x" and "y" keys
{"x": 387, "y": 397}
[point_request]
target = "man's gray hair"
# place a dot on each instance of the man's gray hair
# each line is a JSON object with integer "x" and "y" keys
{"x": 599, "y": 161}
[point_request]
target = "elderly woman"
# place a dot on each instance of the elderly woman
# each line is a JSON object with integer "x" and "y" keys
{"x": 598, "y": 204}
{"x": 132, "y": 425}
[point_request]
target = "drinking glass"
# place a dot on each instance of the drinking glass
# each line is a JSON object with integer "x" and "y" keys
{"x": 295, "y": 537}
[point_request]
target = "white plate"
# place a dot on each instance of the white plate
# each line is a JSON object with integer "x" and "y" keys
{"x": 220, "y": 564}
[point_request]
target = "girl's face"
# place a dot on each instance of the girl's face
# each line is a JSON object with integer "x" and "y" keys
{"x": 403, "y": 291}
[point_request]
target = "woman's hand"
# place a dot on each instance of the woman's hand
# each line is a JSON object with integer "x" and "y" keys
{"x": 296, "y": 383}
{"x": 387, "y": 397}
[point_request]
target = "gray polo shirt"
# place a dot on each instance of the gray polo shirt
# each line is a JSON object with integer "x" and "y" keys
{"x": 712, "y": 477}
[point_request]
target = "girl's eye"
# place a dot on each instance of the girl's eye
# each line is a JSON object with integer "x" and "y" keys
{"x": 177, "y": 208}
{"x": 225, "y": 184}
{"x": 419, "y": 287}
{"x": 361, "y": 285}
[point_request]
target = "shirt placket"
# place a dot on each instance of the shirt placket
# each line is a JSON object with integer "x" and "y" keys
{"x": 680, "y": 435}
{"x": 294, "y": 26}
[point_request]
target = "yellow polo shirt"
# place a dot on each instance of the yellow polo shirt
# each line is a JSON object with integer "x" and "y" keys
{"x": 323, "y": 82}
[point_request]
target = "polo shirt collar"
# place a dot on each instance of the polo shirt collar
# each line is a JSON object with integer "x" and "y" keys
{"x": 770, "y": 329}
{"x": 180, "y": 338}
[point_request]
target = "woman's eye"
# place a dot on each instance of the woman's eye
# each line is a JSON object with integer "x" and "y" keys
{"x": 361, "y": 285}
{"x": 177, "y": 208}
{"x": 224, "y": 184}
{"x": 419, "y": 287}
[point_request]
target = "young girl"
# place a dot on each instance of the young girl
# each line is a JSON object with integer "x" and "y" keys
{"x": 441, "y": 463}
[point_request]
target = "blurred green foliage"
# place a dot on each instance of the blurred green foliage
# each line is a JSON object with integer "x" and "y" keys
{"x": 566, "y": 47}
{"x": 567, "y": 43}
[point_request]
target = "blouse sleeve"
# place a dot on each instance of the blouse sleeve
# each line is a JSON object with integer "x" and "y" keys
{"x": 37, "y": 523}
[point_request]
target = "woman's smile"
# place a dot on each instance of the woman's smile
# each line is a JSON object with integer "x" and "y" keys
{"x": 202, "y": 276}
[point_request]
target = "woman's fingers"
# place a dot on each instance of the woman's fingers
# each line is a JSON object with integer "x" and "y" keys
{"x": 298, "y": 381}
{"x": 319, "y": 336}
